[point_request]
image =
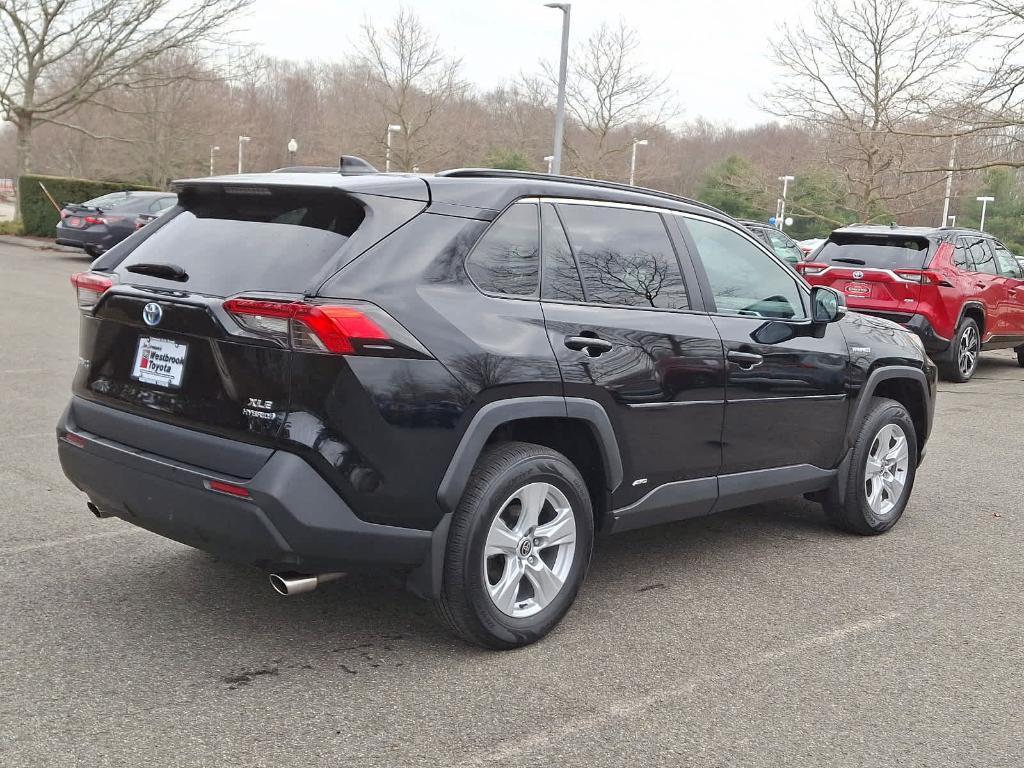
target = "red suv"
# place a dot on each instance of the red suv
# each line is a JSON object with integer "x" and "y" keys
{"x": 960, "y": 290}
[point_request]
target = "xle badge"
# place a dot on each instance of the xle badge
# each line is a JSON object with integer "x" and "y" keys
{"x": 260, "y": 409}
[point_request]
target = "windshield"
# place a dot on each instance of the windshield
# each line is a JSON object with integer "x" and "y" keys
{"x": 874, "y": 251}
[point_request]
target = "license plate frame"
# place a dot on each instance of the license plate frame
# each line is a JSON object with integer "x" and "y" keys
{"x": 160, "y": 362}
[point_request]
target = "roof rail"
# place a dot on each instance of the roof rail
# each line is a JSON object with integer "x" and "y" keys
{"x": 500, "y": 173}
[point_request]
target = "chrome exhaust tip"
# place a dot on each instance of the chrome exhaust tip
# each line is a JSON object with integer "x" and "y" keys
{"x": 291, "y": 583}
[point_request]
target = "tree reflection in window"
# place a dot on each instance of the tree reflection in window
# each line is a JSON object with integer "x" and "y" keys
{"x": 507, "y": 258}
{"x": 625, "y": 257}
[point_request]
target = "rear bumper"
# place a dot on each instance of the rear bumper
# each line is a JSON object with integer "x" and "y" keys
{"x": 292, "y": 520}
{"x": 101, "y": 240}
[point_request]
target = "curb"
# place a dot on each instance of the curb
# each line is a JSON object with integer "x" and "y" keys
{"x": 25, "y": 242}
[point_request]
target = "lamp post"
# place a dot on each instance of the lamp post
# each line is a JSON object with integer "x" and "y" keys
{"x": 632, "y": 163}
{"x": 392, "y": 128}
{"x": 984, "y": 203}
{"x": 556, "y": 163}
{"x": 242, "y": 141}
{"x": 212, "y": 150}
{"x": 293, "y": 147}
{"x": 781, "y": 218}
{"x": 549, "y": 159}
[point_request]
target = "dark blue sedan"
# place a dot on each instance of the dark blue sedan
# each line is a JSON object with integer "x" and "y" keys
{"x": 99, "y": 224}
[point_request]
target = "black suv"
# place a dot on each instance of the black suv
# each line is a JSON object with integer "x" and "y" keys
{"x": 464, "y": 377}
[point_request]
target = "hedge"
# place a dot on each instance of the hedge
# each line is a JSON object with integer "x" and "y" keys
{"x": 38, "y": 215}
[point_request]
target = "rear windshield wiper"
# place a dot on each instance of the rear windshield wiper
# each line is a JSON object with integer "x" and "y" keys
{"x": 844, "y": 260}
{"x": 163, "y": 271}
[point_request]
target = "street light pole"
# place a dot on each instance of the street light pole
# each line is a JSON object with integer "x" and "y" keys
{"x": 549, "y": 159}
{"x": 212, "y": 150}
{"x": 949, "y": 182}
{"x": 242, "y": 141}
{"x": 984, "y": 203}
{"x": 781, "y": 220}
{"x": 392, "y": 128}
{"x": 293, "y": 147}
{"x": 556, "y": 163}
{"x": 632, "y": 163}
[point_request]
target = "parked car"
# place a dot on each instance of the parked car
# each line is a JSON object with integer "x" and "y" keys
{"x": 99, "y": 224}
{"x": 464, "y": 377}
{"x": 807, "y": 247}
{"x": 960, "y": 290}
{"x": 785, "y": 247}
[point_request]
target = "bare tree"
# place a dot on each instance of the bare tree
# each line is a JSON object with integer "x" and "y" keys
{"x": 608, "y": 92}
{"x": 414, "y": 81}
{"x": 56, "y": 55}
{"x": 860, "y": 72}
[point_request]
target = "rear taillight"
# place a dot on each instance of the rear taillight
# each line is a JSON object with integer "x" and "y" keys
{"x": 104, "y": 219}
{"x": 353, "y": 328}
{"x": 810, "y": 267}
{"x": 922, "y": 276}
{"x": 90, "y": 286}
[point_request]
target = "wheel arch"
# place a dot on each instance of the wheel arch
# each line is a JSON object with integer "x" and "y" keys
{"x": 904, "y": 384}
{"x": 537, "y": 419}
{"x": 974, "y": 310}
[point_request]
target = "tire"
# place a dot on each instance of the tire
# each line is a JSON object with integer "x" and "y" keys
{"x": 965, "y": 349}
{"x": 1020, "y": 358}
{"x": 860, "y": 511}
{"x": 512, "y": 480}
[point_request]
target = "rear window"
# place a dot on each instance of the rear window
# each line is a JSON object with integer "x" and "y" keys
{"x": 254, "y": 239}
{"x": 105, "y": 201}
{"x": 874, "y": 252}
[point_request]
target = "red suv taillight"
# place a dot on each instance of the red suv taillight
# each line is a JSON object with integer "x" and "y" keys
{"x": 352, "y": 328}
{"x": 810, "y": 267}
{"x": 90, "y": 286}
{"x": 922, "y": 276}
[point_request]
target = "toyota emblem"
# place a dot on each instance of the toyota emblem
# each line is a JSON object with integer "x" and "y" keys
{"x": 857, "y": 275}
{"x": 152, "y": 313}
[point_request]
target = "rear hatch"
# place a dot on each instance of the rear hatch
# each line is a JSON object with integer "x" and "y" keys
{"x": 160, "y": 342}
{"x": 880, "y": 272}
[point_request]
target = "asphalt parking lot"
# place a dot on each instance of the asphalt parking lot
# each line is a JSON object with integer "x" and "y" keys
{"x": 759, "y": 637}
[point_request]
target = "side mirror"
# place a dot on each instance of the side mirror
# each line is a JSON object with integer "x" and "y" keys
{"x": 827, "y": 304}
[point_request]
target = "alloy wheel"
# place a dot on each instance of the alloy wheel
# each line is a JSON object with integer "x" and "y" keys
{"x": 530, "y": 548}
{"x": 967, "y": 352}
{"x": 885, "y": 474}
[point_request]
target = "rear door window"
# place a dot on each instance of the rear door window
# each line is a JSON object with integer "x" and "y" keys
{"x": 625, "y": 257}
{"x": 252, "y": 239}
{"x": 507, "y": 258}
{"x": 962, "y": 256}
{"x": 561, "y": 277}
{"x": 874, "y": 251}
{"x": 982, "y": 256}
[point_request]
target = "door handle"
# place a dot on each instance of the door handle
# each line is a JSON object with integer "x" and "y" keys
{"x": 593, "y": 345}
{"x": 979, "y": 285}
{"x": 745, "y": 360}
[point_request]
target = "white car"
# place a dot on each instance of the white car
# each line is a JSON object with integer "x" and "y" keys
{"x": 809, "y": 246}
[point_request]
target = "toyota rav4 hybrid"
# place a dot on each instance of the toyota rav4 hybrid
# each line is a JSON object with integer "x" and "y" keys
{"x": 960, "y": 290}
{"x": 463, "y": 378}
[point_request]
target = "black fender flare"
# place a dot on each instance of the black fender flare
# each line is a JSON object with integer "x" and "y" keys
{"x": 868, "y": 390}
{"x": 493, "y": 415}
{"x": 963, "y": 311}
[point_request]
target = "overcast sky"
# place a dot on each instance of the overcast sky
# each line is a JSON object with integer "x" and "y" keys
{"x": 714, "y": 50}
